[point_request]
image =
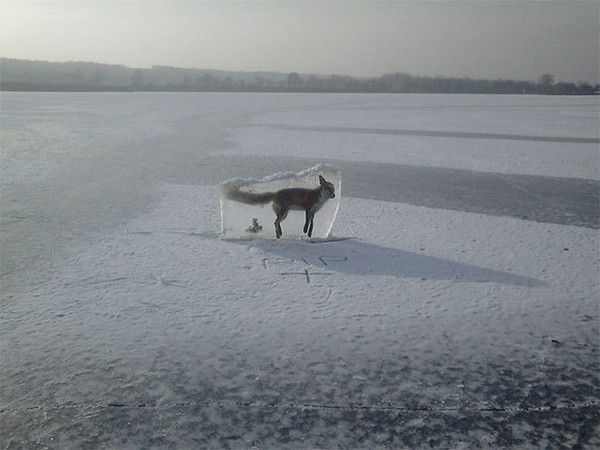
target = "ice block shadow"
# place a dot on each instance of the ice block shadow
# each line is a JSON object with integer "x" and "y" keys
{"x": 361, "y": 258}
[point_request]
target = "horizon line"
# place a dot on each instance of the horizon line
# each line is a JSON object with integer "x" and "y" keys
{"x": 321, "y": 74}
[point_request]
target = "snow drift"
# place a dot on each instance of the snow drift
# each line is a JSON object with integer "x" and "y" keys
{"x": 249, "y": 221}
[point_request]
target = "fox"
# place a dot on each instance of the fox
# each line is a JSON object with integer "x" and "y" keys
{"x": 308, "y": 200}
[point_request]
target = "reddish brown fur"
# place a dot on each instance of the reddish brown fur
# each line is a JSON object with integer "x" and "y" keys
{"x": 310, "y": 200}
{"x": 302, "y": 198}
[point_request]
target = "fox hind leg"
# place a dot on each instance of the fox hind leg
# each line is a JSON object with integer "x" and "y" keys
{"x": 278, "y": 221}
{"x": 281, "y": 212}
{"x": 310, "y": 228}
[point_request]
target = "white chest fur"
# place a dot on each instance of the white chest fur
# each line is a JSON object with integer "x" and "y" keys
{"x": 322, "y": 199}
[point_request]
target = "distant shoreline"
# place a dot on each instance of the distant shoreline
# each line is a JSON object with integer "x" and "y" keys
{"x": 43, "y": 76}
{"x": 37, "y": 88}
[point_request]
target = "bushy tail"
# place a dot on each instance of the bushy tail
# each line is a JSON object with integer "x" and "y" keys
{"x": 233, "y": 192}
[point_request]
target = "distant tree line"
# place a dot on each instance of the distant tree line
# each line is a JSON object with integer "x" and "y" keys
{"x": 86, "y": 76}
{"x": 405, "y": 83}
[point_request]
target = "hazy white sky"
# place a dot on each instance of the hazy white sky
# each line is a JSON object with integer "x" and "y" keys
{"x": 488, "y": 39}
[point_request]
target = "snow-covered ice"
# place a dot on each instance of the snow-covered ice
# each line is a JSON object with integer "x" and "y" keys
{"x": 549, "y": 136}
{"x": 128, "y": 321}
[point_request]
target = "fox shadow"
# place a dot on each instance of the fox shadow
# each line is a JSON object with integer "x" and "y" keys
{"x": 346, "y": 255}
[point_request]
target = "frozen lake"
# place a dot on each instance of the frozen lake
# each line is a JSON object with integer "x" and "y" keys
{"x": 461, "y": 310}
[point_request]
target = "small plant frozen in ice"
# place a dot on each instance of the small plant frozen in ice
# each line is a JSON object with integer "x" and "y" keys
{"x": 255, "y": 228}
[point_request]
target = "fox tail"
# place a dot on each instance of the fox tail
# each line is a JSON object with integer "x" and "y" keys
{"x": 233, "y": 192}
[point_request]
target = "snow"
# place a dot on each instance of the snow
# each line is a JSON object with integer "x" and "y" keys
{"x": 127, "y": 320}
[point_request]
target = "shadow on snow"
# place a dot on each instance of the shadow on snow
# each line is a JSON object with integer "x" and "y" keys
{"x": 346, "y": 255}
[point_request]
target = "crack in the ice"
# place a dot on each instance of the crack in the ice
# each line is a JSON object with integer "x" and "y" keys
{"x": 318, "y": 406}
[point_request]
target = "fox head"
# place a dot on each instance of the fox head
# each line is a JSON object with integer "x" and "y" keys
{"x": 327, "y": 187}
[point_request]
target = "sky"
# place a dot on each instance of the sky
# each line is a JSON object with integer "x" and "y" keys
{"x": 479, "y": 39}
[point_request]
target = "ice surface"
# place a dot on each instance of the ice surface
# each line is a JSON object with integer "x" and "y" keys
{"x": 126, "y": 323}
{"x": 243, "y": 221}
{"x": 514, "y": 134}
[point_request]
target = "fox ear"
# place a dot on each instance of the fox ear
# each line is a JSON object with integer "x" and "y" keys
{"x": 322, "y": 180}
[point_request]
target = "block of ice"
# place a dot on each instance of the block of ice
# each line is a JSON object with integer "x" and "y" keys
{"x": 240, "y": 220}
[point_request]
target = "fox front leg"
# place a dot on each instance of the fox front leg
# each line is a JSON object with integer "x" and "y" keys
{"x": 307, "y": 221}
{"x": 308, "y": 225}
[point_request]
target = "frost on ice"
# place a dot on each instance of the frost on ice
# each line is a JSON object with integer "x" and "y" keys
{"x": 249, "y": 221}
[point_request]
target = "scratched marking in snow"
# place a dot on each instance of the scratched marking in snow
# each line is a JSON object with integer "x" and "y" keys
{"x": 292, "y": 265}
